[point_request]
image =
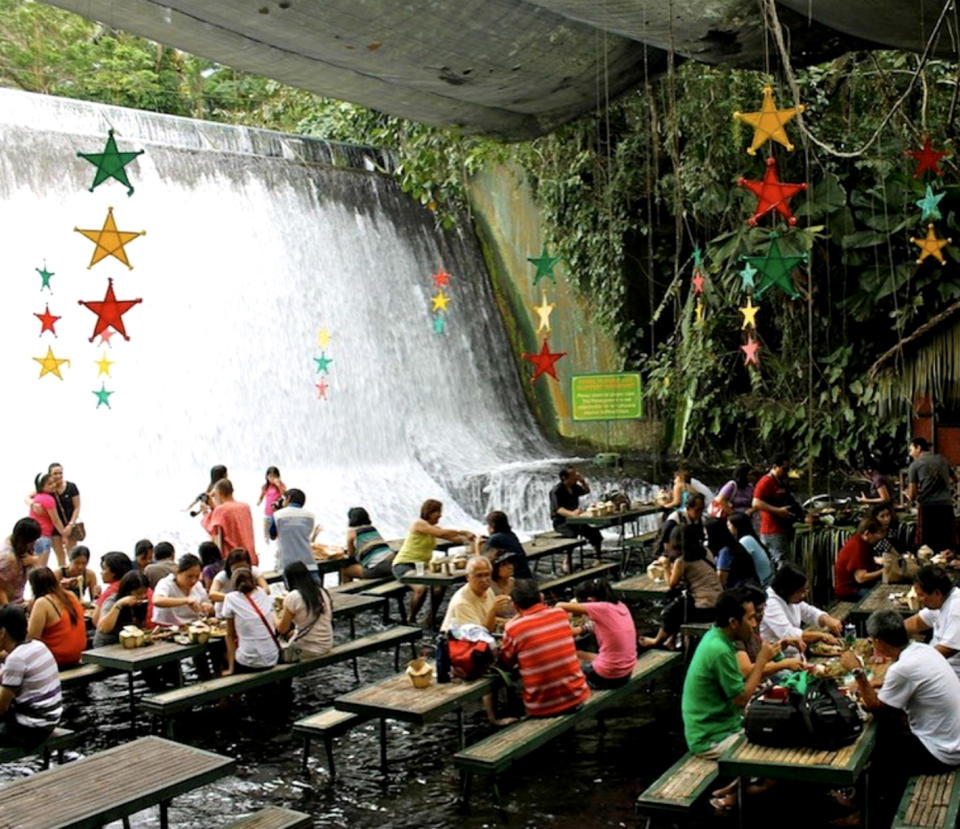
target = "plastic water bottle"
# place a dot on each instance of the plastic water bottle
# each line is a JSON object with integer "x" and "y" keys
{"x": 850, "y": 633}
{"x": 443, "y": 658}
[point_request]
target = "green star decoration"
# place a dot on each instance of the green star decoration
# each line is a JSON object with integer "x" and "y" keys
{"x": 747, "y": 273}
{"x": 545, "y": 265}
{"x": 323, "y": 363}
{"x": 776, "y": 268}
{"x": 45, "y": 276}
{"x": 697, "y": 258}
{"x": 103, "y": 396}
{"x": 929, "y": 204}
{"x": 439, "y": 326}
{"x": 111, "y": 163}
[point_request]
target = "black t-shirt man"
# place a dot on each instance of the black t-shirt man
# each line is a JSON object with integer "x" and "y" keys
{"x": 561, "y": 497}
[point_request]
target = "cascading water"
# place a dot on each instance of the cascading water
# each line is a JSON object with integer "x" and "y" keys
{"x": 255, "y": 241}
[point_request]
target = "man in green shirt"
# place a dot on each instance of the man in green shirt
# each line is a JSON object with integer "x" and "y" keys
{"x": 714, "y": 691}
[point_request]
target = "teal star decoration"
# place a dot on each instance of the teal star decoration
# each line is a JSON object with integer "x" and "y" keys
{"x": 545, "y": 265}
{"x": 103, "y": 396}
{"x": 697, "y": 258}
{"x": 439, "y": 325}
{"x": 776, "y": 268}
{"x": 929, "y": 204}
{"x": 747, "y": 273}
{"x": 111, "y": 163}
{"x": 45, "y": 277}
{"x": 323, "y": 362}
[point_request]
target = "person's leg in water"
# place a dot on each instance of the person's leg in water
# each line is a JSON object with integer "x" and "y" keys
{"x": 417, "y": 594}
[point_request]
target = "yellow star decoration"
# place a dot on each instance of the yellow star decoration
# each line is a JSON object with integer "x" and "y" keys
{"x": 50, "y": 364}
{"x": 543, "y": 311}
{"x": 110, "y": 241}
{"x": 323, "y": 339}
{"x": 769, "y": 122}
{"x": 699, "y": 310}
{"x": 931, "y": 246}
{"x": 440, "y": 301}
{"x": 749, "y": 312}
{"x": 103, "y": 365}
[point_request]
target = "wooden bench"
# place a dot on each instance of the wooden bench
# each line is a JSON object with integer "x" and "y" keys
{"x": 59, "y": 741}
{"x": 691, "y": 633}
{"x": 679, "y": 787}
{"x": 930, "y": 801}
{"x": 273, "y": 817}
{"x": 83, "y": 674}
{"x": 496, "y": 753}
{"x": 170, "y": 703}
{"x": 356, "y": 585}
{"x": 570, "y": 579}
{"x": 326, "y": 724}
{"x": 392, "y": 589}
{"x": 640, "y": 544}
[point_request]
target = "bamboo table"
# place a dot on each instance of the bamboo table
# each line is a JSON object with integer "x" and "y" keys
{"x": 395, "y": 698}
{"x": 879, "y": 599}
{"x": 110, "y": 785}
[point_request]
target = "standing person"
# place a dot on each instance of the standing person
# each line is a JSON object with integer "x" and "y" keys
{"x": 930, "y": 484}
{"x": 940, "y": 613}
{"x": 164, "y": 563}
{"x": 307, "y": 608}
{"x": 293, "y": 527}
{"x": 68, "y": 507}
{"x": 855, "y": 570}
{"x": 565, "y": 503}
{"x": 502, "y": 540}
{"x": 230, "y": 524}
{"x": 143, "y": 554}
{"x": 43, "y": 508}
{"x": 16, "y": 558}
{"x": 368, "y": 555}
{"x": 30, "y": 700}
{"x": 771, "y": 498}
{"x": 203, "y": 503}
{"x": 56, "y": 618}
{"x": 251, "y": 639}
{"x": 880, "y": 490}
{"x": 736, "y": 495}
{"x": 180, "y": 598}
{"x": 270, "y": 493}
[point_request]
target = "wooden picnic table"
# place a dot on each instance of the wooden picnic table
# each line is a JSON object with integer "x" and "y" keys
{"x": 395, "y": 698}
{"x": 616, "y": 519}
{"x": 110, "y": 785}
{"x": 442, "y": 545}
{"x": 350, "y": 604}
{"x": 879, "y": 599}
{"x": 641, "y": 587}
{"x": 547, "y": 545}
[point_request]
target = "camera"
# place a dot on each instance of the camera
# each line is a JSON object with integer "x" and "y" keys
{"x": 202, "y": 498}
{"x": 280, "y": 503}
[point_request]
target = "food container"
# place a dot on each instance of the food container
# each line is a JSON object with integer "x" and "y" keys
{"x": 132, "y": 637}
{"x": 913, "y": 601}
{"x": 420, "y": 672}
{"x": 460, "y": 563}
{"x": 655, "y": 571}
{"x": 199, "y": 633}
{"x": 436, "y": 565}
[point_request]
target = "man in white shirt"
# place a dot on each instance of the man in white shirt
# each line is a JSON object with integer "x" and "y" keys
{"x": 786, "y": 612}
{"x": 941, "y": 612}
{"x": 920, "y": 685}
{"x": 475, "y": 602}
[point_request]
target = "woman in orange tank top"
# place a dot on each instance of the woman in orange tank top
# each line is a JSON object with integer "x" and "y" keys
{"x": 56, "y": 618}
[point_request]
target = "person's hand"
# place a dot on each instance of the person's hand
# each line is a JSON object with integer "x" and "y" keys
{"x": 783, "y": 512}
{"x": 835, "y": 626}
{"x": 206, "y": 608}
{"x": 578, "y": 512}
{"x": 850, "y": 661}
{"x": 794, "y": 642}
{"x": 862, "y": 498}
{"x": 829, "y": 639}
{"x": 195, "y": 605}
{"x": 793, "y": 664}
{"x": 126, "y": 601}
{"x": 502, "y": 602}
{"x": 768, "y": 650}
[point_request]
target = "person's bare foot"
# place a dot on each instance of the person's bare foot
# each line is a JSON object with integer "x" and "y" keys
{"x": 724, "y": 804}
{"x": 728, "y": 789}
{"x": 503, "y": 722}
{"x": 648, "y": 641}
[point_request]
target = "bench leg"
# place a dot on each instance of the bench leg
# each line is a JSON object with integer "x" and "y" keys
{"x": 396, "y": 658}
{"x": 328, "y": 742}
{"x": 45, "y": 759}
{"x": 306, "y": 753}
{"x": 126, "y": 823}
{"x": 383, "y": 744}
{"x": 402, "y": 608}
{"x": 133, "y": 705}
{"x": 164, "y": 817}
{"x": 496, "y": 793}
{"x": 466, "y": 781}
{"x": 461, "y": 730}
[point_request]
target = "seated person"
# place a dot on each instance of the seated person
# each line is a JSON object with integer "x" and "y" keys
{"x": 56, "y": 618}
{"x": 502, "y": 540}
{"x": 940, "y": 613}
{"x": 688, "y": 515}
{"x": 223, "y": 581}
{"x": 127, "y": 606}
{"x": 502, "y": 581}
{"x": 164, "y": 562}
{"x": 211, "y": 560}
{"x": 113, "y": 567}
{"x": 180, "y": 598}
{"x": 734, "y": 564}
{"x": 787, "y": 611}
{"x": 252, "y": 643}
{"x": 612, "y": 625}
{"x": 539, "y": 640}
{"x": 369, "y": 556}
{"x": 747, "y": 651}
{"x": 565, "y": 503}
{"x": 30, "y": 701}
{"x": 77, "y": 577}
{"x": 475, "y": 603}
{"x": 16, "y": 558}
{"x": 307, "y": 609}
{"x": 143, "y": 554}
{"x": 741, "y": 528}
{"x": 921, "y": 686}
{"x": 855, "y": 570}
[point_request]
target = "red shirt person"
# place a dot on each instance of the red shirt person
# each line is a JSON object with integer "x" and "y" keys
{"x": 770, "y": 499}
{"x": 231, "y": 523}
{"x": 855, "y": 569}
{"x": 539, "y": 640}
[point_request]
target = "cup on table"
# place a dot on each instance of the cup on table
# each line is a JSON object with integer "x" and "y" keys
{"x": 420, "y": 567}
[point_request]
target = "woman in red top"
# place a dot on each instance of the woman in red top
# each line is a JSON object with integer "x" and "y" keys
{"x": 56, "y": 618}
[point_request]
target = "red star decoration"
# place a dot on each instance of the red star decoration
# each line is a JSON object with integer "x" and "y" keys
{"x": 750, "y": 352}
{"x": 47, "y": 321}
{"x": 105, "y": 337}
{"x": 441, "y": 279}
{"x": 697, "y": 281}
{"x": 322, "y": 389}
{"x": 927, "y": 158}
{"x": 772, "y": 194}
{"x": 110, "y": 312}
{"x": 544, "y": 361}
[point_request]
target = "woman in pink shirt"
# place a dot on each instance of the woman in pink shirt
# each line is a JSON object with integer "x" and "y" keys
{"x": 43, "y": 508}
{"x": 612, "y": 624}
{"x": 271, "y": 491}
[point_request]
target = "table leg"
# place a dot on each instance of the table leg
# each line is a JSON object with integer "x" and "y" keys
{"x": 866, "y": 797}
{"x": 133, "y": 706}
{"x": 164, "y": 817}
{"x": 383, "y": 743}
{"x": 461, "y": 730}
{"x": 433, "y": 608}
{"x": 741, "y": 801}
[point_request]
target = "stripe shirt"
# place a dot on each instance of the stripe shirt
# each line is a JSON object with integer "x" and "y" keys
{"x": 31, "y": 673}
{"x": 540, "y": 641}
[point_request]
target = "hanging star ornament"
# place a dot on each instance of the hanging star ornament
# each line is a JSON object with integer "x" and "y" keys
{"x": 105, "y": 337}
{"x": 103, "y": 365}
{"x": 747, "y": 274}
{"x": 323, "y": 338}
{"x": 697, "y": 259}
{"x": 698, "y": 310}
{"x": 441, "y": 279}
{"x": 543, "y": 310}
{"x": 931, "y": 246}
{"x": 776, "y": 268}
{"x": 544, "y": 361}
{"x": 110, "y": 241}
{"x": 45, "y": 277}
{"x": 111, "y": 163}
{"x": 322, "y": 389}
{"x": 50, "y": 364}
{"x": 439, "y": 324}
{"x": 103, "y": 396}
{"x": 697, "y": 280}
{"x": 440, "y": 301}
{"x": 544, "y": 264}
{"x": 927, "y": 158}
{"x": 930, "y": 204}
{"x": 772, "y": 194}
{"x": 750, "y": 352}
{"x": 110, "y": 312}
{"x": 47, "y": 321}
{"x": 323, "y": 363}
{"x": 749, "y": 312}
{"x": 768, "y": 124}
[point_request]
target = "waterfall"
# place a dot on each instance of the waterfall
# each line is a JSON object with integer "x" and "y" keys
{"x": 255, "y": 241}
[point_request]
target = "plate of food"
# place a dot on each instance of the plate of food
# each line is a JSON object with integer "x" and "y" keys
{"x": 824, "y": 649}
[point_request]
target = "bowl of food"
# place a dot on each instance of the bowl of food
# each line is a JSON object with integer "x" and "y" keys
{"x": 132, "y": 637}
{"x": 199, "y": 633}
{"x": 420, "y": 672}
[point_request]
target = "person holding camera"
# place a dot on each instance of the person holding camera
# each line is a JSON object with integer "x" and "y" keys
{"x": 203, "y": 502}
{"x": 231, "y": 523}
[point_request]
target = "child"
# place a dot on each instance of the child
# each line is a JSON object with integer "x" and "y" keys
{"x": 271, "y": 491}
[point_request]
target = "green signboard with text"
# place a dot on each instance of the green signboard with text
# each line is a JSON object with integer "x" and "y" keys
{"x": 606, "y": 396}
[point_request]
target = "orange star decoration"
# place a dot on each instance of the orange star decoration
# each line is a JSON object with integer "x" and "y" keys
{"x": 750, "y": 352}
{"x": 50, "y": 364}
{"x": 931, "y": 246}
{"x": 110, "y": 312}
{"x": 769, "y": 122}
{"x": 441, "y": 279}
{"x": 110, "y": 241}
{"x": 697, "y": 280}
{"x": 772, "y": 194}
{"x": 544, "y": 361}
{"x": 927, "y": 158}
{"x": 749, "y": 312}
